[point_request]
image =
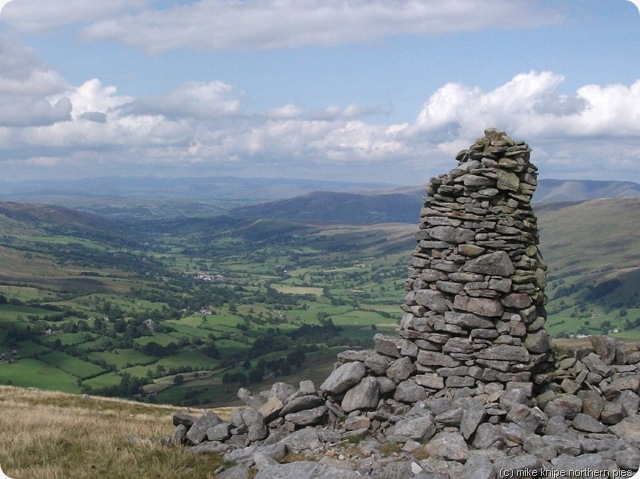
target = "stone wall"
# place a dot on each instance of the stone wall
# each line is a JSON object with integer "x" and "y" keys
{"x": 475, "y": 302}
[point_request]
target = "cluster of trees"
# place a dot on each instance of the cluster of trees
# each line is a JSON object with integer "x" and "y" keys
{"x": 268, "y": 368}
{"x": 129, "y": 386}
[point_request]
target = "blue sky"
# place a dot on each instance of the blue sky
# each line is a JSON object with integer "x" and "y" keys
{"x": 356, "y": 90}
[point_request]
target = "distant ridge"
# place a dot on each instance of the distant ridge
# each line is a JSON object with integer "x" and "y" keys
{"x": 402, "y": 205}
{"x": 68, "y": 192}
{"x": 353, "y": 208}
{"x": 277, "y": 198}
{"x": 53, "y": 220}
{"x": 555, "y": 191}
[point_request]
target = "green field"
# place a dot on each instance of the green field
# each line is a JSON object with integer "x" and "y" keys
{"x": 34, "y": 373}
{"x": 192, "y": 307}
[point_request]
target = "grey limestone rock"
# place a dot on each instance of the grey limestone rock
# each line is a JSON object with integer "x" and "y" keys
{"x": 516, "y": 466}
{"x": 386, "y": 345}
{"x": 538, "y": 342}
{"x": 467, "y": 320}
{"x": 565, "y": 405}
{"x": 356, "y": 423}
{"x": 179, "y": 434}
{"x": 434, "y": 358}
{"x": 300, "y": 404}
{"x": 281, "y": 391}
{"x": 612, "y": 413}
{"x": 305, "y": 470}
{"x": 417, "y": 428}
{"x": 472, "y": 416}
{"x": 198, "y": 431}
{"x": 448, "y": 445}
{"x": 241, "y": 471}
{"x": 525, "y": 417}
{"x": 605, "y": 348}
{"x": 505, "y": 352}
{"x": 597, "y": 365}
{"x": 494, "y": 264}
{"x": 592, "y": 403}
{"x": 479, "y": 306}
{"x": 584, "y": 422}
{"x": 343, "y": 378}
{"x": 432, "y": 300}
{"x": 257, "y": 428}
{"x": 250, "y": 400}
{"x": 307, "y": 417}
{"x": 630, "y": 402}
{"x": 271, "y": 409}
{"x": 479, "y": 466}
{"x": 262, "y": 460}
{"x": 245, "y": 454}
{"x": 487, "y": 435}
{"x": 184, "y": 418}
{"x": 400, "y": 369}
{"x": 363, "y": 396}
{"x": 219, "y": 432}
{"x": 377, "y": 363}
{"x": 303, "y": 439}
{"x": 409, "y": 391}
{"x": 628, "y": 428}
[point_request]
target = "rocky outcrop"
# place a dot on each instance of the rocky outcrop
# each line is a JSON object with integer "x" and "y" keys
{"x": 471, "y": 386}
{"x": 585, "y": 417}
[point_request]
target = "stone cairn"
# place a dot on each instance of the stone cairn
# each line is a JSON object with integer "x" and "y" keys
{"x": 471, "y": 387}
{"x": 475, "y": 306}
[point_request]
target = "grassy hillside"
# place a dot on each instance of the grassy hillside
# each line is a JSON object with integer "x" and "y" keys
{"x": 557, "y": 191}
{"x": 592, "y": 235}
{"x": 351, "y": 208}
{"x": 593, "y": 254}
{"x": 53, "y": 435}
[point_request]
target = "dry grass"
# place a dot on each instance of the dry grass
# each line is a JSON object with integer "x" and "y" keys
{"x": 51, "y": 435}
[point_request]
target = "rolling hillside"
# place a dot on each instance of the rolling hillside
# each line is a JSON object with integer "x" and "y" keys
{"x": 332, "y": 207}
{"x": 189, "y": 307}
{"x": 555, "y": 191}
{"x": 309, "y": 199}
{"x": 593, "y": 254}
{"x": 402, "y": 205}
{"x": 599, "y": 235}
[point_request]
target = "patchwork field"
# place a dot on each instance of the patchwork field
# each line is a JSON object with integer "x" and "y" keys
{"x": 204, "y": 305}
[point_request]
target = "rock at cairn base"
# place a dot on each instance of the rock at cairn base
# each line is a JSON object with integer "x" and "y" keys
{"x": 471, "y": 386}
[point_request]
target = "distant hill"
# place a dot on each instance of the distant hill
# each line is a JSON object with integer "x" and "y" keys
{"x": 403, "y": 205}
{"x": 554, "y": 191}
{"x": 283, "y": 198}
{"x": 55, "y": 220}
{"x": 577, "y": 237}
{"x": 46, "y": 214}
{"x": 353, "y": 208}
{"x": 223, "y": 188}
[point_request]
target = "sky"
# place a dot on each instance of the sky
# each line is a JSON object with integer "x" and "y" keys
{"x": 355, "y": 90}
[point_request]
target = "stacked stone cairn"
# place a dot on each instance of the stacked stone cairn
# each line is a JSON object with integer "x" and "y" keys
{"x": 471, "y": 387}
{"x": 475, "y": 307}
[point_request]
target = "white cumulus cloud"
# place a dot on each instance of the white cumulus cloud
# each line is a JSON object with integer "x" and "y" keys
{"x": 194, "y": 100}
{"x": 53, "y": 124}
{"x": 43, "y": 15}
{"x": 531, "y": 105}
{"x": 267, "y": 24}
